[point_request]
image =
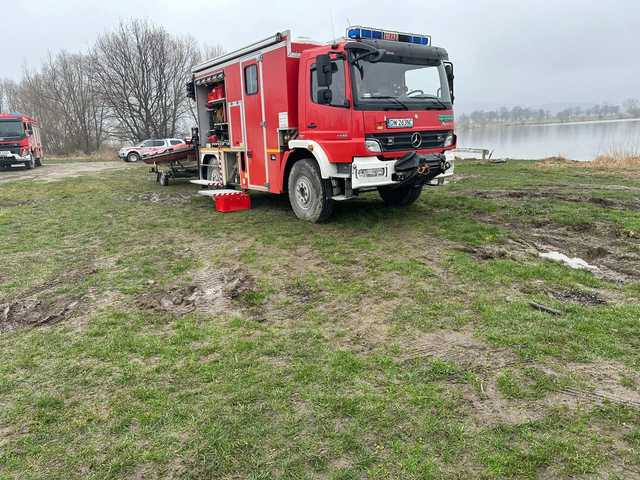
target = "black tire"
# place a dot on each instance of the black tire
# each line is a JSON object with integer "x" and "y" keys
{"x": 31, "y": 164}
{"x": 401, "y": 196}
{"x": 133, "y": 157}
{"x": 309, "y": 194}
{"x": 164, "y": 179}
{"x": 38, "y": 162}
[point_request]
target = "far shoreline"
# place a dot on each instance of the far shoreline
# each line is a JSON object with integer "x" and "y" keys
{"x": 547, "y": 124}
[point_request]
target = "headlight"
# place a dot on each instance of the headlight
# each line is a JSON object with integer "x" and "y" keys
{"x": 449, "y": 140}
{"x": 373, "y": 146}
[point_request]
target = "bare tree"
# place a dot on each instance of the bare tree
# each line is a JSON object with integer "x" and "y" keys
{"x": 140, "y": 71}
{"x": 209, "y": 52}
{"x": 632, "y": 107}
{"x": 31, "y": 99}
{"x": 72, "y": 93}
{"x": 8, "y": 95}
{"x": 63, "y": 98}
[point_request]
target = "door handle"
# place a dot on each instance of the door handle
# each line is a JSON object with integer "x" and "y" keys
{"x": 312, "y": 125}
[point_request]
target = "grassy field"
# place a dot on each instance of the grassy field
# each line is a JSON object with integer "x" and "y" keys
{"x": 144, "y": 335}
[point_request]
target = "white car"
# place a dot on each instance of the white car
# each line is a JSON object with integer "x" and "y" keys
{"x": 150, "y": 147}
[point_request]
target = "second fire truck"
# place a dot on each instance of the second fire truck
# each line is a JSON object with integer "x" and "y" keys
{"x": 325, "y": 122}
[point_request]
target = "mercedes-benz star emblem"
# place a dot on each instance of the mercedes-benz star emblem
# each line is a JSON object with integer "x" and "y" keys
{"x": 416, "y": 140}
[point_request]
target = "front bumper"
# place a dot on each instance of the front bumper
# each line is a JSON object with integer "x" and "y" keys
{"x": 14, "y": 160}
{"x": 411, "y": 168}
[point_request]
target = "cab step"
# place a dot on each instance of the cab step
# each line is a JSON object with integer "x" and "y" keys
{"x": 215, "y": 193}
{"x": 204, "y": 183}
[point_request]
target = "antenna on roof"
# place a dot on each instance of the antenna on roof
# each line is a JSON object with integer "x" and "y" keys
{"x": 333, "y": 27}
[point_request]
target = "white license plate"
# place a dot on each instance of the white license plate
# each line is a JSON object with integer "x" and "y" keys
{"x": 400, "y": 123}
{"x": 5, "y": 153}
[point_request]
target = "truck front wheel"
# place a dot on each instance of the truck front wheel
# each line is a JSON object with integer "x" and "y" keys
{"x": 401, "y": 196}
{"x": 309, "y": 194}
{"x": 133, "y": 157}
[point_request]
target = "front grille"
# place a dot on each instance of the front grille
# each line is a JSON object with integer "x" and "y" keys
{"x": 13, "y": 148}
{"x": 392, "y": 141}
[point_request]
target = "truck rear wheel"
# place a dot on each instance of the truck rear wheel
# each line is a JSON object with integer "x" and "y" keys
{"x": 401, "y": 196}
{"x": 309, "y": 194}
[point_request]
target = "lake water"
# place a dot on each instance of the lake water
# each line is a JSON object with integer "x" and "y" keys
{"x": 576, "y": 141}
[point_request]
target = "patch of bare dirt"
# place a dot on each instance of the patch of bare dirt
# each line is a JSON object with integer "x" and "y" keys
{"x": 511, "y": 249}
{"x": 579, "y": 296}
{"x": 488, "y": 407}
{"x": 607, "y": 247}
{"x": 10, "y": 433}
{"x": 17, "y": 203}
{"x": 555, "y": 194}
{"x": 94, "y": 300}
{"x": 600, "y": 381}
{"x": 615, "y": 262}
{"x": 56, "y": 172}
{"x": 212, "y": 290}
{"x": 605, "y": 380}
{"x": 368, "y": 327}
{"x": 463, "y": 177}
{"x": 42, "y": 305}
{"x": 460, "y": 348}
{"x": 35, "y": 312}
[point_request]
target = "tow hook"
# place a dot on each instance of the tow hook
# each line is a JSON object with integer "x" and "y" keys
{"x": 423, "y": 169}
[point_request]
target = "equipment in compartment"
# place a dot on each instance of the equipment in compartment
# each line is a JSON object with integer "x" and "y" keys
{"x": 218, "y": 134}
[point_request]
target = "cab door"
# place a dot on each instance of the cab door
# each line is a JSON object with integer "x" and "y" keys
{"x": 255, "y": 127}
{"x": 327, "y": 123}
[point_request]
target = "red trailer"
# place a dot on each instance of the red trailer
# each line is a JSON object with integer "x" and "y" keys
{"x": 20, "y": 141}
{"x": 325, "y": 122}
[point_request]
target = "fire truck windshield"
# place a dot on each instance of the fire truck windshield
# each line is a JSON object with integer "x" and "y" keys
{"x": 389, "y": 85}
{"x": 11, "y": 129}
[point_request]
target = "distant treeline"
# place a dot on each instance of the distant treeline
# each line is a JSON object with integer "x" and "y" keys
{"x": 130, "y": 85}
{"x": 523, "y": 115}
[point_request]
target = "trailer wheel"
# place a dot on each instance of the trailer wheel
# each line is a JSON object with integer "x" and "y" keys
{"x": 133, "y": 157}
{"x": 401, "y": 196}
{"x": 309, "y": 194}
{"x": 164, "y": 179}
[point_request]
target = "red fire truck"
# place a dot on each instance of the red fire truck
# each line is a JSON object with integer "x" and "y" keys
{"x": 325, "y": 122}
{"x": 20, "y": 142}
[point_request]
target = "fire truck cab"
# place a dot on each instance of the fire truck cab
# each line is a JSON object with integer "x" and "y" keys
{"x": 20, "y": 141}
{"x": 325, "y": 122}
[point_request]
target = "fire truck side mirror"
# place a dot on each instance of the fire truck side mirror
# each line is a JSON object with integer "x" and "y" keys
{"x": 325, "y": 96}
{"x": 324, "y": 69}
{"x": 191, "y": 90}
{"x": 448, "y": 68}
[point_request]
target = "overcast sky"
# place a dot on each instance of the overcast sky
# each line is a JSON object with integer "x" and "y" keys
{"x": 506, "y": 52}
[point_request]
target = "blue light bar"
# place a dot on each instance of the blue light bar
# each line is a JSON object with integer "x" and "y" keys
{"x": 357, "y": 32}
